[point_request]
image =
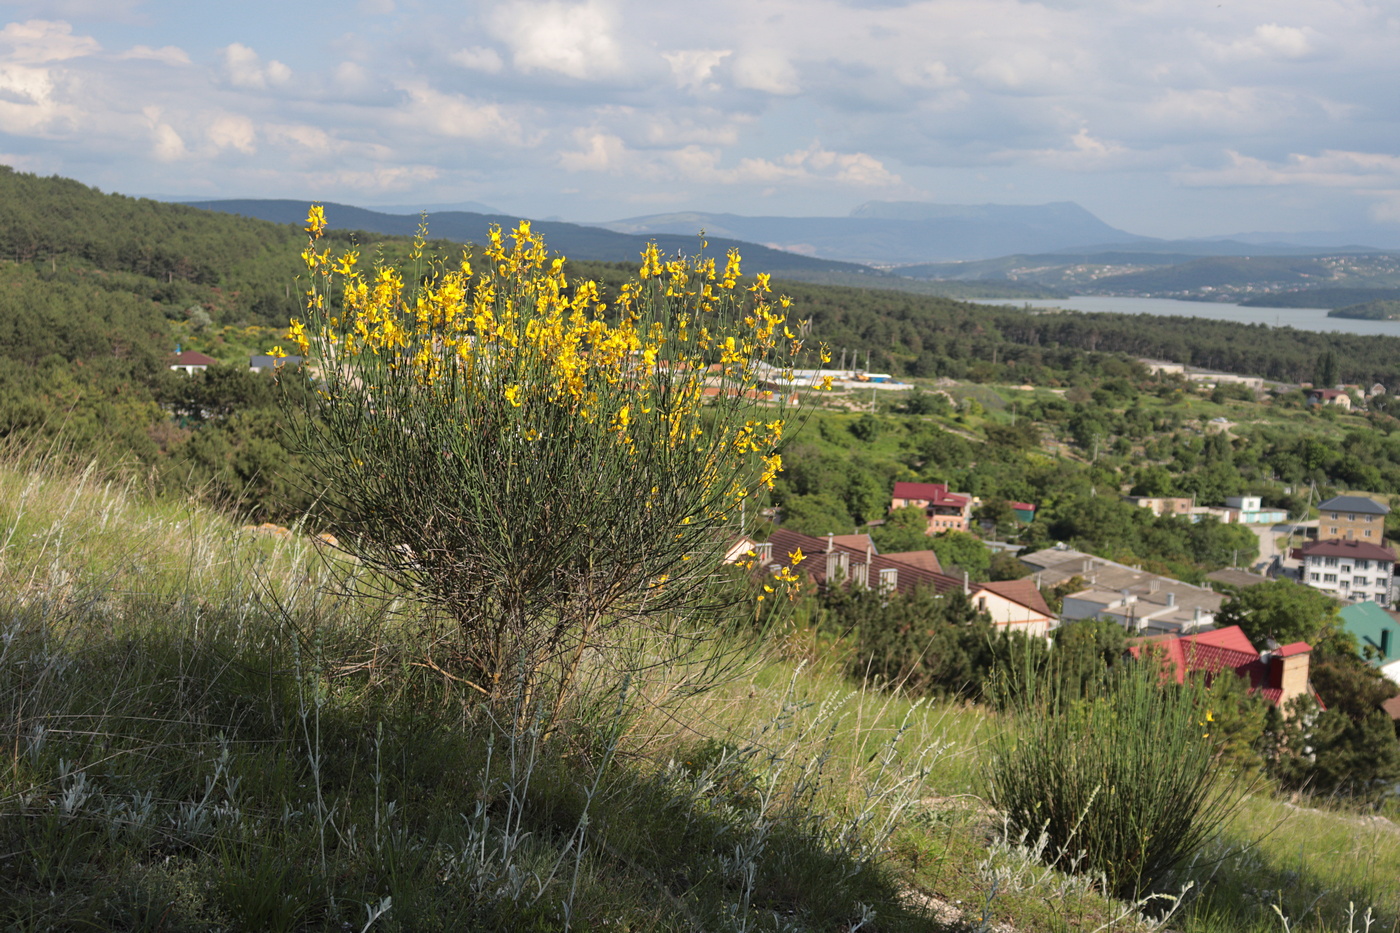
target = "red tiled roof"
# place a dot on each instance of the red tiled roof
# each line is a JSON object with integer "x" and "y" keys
{"x": 933, "y": 493}
{"x": 192, "y": 358}
{"x": 907, "y": 578}
{"x": 1392, "y": 707}
{"x": 1215, "y": 651}
{"x": 924, "y": 560}
{"x": 1024, "y": 592}
{"x": 1022, "y": 506}
{"x": 1337, "y": 547}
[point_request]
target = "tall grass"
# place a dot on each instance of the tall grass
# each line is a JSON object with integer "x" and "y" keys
{"x": 1123, "y": 785}
{"x": 203, "y": 731}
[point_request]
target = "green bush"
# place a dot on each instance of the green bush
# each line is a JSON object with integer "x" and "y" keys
{"x": 1122, "y": 785}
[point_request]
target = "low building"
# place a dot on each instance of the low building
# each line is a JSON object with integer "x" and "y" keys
{"x": 1025, "y": 511}
{"x": 190, "y": 362}
{"x": 853, "y": 560}
{"x": 1329, "y": 397}
{"x": 1352, "y": 571}
{"x": 946, "y": 511}
{"x": 1163, "y": 505}
{"x": 1249, "y": 510}
{"x": 1377, "y": 634}
{"x": 1352, "y": 518}
{"x": 1278, "y": 675}
{"x": 1141, "y": 602}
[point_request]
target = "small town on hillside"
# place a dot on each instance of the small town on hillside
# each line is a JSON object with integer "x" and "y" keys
{"x": 1346, "y": 557}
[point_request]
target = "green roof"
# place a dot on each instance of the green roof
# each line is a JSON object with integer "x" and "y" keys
{"x": 1370, "y": 623}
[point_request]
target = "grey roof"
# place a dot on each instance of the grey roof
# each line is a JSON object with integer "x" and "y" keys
{"x": 1354, "y": 504}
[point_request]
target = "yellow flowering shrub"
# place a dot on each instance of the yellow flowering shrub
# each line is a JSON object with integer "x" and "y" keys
{"x": 547, "y": 463}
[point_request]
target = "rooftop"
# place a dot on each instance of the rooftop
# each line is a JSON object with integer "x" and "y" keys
{"x": 1362, "y": 504}
{"x": 1337, "y": 547}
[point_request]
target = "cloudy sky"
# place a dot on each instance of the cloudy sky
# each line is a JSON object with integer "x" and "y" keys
{"x": 1163, "y": 117}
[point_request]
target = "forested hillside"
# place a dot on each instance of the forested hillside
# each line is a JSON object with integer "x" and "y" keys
{"x": 99, "y": 289}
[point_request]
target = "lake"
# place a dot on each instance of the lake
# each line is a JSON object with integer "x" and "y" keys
{"x": 1315, "y": 319}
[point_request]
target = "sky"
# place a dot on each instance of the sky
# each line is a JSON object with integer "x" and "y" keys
{"x": 1167, "y": 118}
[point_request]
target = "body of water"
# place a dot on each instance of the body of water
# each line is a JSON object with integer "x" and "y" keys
{"x": 1302, "y": 318}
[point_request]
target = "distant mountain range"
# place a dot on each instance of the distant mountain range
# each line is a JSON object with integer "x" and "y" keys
{"x": 573, "y": 240}
{"x": 896, "y": 233}
{"x": 960, "y": 251}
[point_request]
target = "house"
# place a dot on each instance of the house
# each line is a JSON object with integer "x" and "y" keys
{"x": 1249, "y": 510}
{"x": 1359, "y": 518}
{"x": 1278, "y": 675}
{"x": 191, "y": 362}
{"x": 946, "y": 511}
{"x": 1236, "y": 579}
{"x": 1349, "y": 570}
{"x": 1162, "y": 505}
{"x": 854, "y": 560}
{"x": 1329, "y": 397}
{"x": 1377, "y": 634}
{"x": 1025, "y": 511}
{"x": 1141, "y": 602}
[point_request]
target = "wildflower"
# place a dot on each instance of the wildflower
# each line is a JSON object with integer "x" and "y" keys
{"x": 513, "y": 395}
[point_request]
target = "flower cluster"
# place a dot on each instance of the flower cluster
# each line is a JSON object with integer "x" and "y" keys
{"x": 646, "y": 365}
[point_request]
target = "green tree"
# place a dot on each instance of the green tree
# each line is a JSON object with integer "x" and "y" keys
{"x": 958, "y": 550}
{"x": 906, "y": 529}
{"x": 1283, "y": 610}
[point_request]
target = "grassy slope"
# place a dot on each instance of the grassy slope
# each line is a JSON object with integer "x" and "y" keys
{"x": 203, "y": 734}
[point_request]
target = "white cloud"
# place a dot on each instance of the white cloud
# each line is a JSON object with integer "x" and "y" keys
{"x": 245, "y": 69}
{"x": 456, "y": 116}
{"x": 233, "y": 131}
{"x": 311, "y": 139}
{"x": 38, "y": 41}
{"x": 167, "y": 54}
{"x": 692, "y": 67}
{"x": 934, "y": 74}
{"x": 766, "y": 70}
{"x": 1329, "y": 169}
{"x": 572, "y": 39}
{"x": 384, "y": 178}
{"x": 693, "y": 164}
{"x": 166, "y": 143}
{"x": 480, "y": 58}
{"x": 1084, "y": 153}
{"x": 1269, "y": 41}
{"x": 600, "y": 152}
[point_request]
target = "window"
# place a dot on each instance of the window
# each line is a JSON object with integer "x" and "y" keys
{"x": 1332, "y": 530}
{"x": 889, "y": 580}
{"x": 1360, "y": 581}
{"x": 1363, "y": 564}
{"x": 1346, "y": 568}
{"x": 1345, "y": 584}
{"x": 1351, "y": 516}
{"x": 1329, "y": 578}
{"x": 1315, "y": 576}
{"x": 1369, "y": 517}
{"x": 1368, "y": 532}
{"x": 1329, "y": 561}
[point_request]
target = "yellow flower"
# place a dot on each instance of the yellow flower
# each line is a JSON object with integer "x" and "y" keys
{"x": 316, "y": 220}
{"x": 513, "y": 395}
{"x": 797, "y": 557}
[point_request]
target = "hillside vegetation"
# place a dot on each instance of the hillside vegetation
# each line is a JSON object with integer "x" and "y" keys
{"x": 212, "y": 733}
